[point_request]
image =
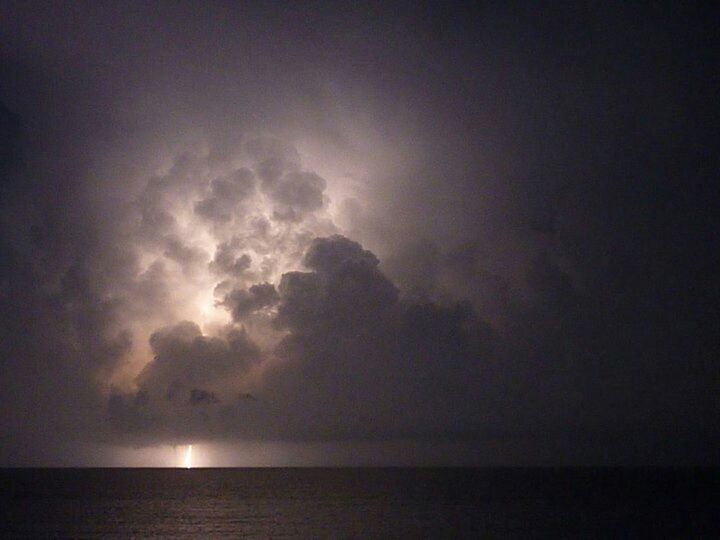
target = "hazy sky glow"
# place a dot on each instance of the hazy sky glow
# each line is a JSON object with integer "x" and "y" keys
{"x": 345, "y": 235}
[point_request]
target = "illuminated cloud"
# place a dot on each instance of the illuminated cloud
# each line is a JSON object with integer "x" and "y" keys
{"x": 484, "y": 224}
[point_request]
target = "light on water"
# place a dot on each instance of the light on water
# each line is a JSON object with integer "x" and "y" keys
{"x": 327, "y": 503}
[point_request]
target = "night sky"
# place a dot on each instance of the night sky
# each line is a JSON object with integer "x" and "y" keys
{"x": 354, "y": 233}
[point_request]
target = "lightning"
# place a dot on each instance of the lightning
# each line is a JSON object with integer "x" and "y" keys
{"x": 188, "y": 457}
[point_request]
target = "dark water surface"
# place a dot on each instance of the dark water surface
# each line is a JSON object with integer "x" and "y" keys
{"x": 359, "y": 503}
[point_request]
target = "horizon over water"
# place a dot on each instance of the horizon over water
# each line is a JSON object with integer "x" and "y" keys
{"x": 357, "y": 502}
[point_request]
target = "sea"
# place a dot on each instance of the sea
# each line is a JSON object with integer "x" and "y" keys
{"x": 360, "y": 503}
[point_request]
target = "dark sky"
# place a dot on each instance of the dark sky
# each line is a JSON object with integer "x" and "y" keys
{"x": 348, "y": 232}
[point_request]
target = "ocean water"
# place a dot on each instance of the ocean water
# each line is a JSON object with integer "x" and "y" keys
{"x": 359, "y": 503}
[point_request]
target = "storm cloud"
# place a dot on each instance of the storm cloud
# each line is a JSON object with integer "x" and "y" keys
{"x": 488, "y": 226}
{"x": 350, "y": 351}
